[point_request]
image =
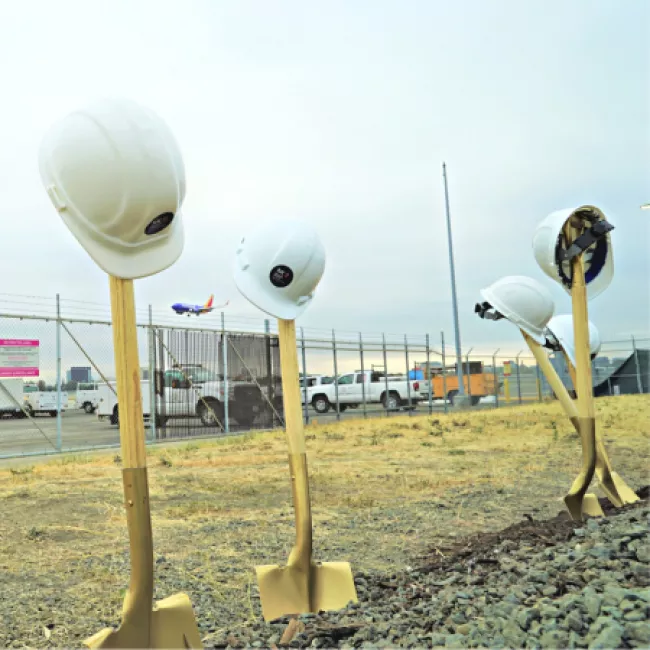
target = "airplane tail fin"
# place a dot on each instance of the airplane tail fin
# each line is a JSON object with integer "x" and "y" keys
{"x": 209, "y": 303}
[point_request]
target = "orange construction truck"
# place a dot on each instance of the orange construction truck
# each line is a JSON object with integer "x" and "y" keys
{"x": 477, "y": 384}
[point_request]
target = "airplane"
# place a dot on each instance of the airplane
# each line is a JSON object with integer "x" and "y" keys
{"x": 197, "y": 310}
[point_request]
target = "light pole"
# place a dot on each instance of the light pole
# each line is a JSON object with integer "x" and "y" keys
{"x": 459, "y": 358}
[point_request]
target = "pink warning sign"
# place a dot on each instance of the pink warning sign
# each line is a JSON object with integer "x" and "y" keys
{"x": 19, "y": 358}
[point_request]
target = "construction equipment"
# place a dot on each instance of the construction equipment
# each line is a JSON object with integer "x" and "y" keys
{"x": 115, "y": 175}
{"x": 278, "y": 268}
{"x": 527, "y": 304}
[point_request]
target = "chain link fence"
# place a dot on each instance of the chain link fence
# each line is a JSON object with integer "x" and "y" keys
{"x": 200, "y": 382}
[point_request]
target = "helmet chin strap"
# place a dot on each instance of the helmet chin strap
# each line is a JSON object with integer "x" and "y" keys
{"x": 483, "y": 310}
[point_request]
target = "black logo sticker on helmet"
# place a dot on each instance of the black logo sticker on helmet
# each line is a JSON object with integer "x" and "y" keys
{"x": 281, "y": 276}
{"x": 159, "y": 223}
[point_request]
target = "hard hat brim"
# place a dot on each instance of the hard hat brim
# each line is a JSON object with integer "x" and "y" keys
{"x": 142, "y": 261}
{"x": 271, "y": 302}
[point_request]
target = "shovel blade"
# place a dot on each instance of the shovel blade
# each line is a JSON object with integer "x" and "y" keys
{"x": 587, "y": 505}
{"x": 173, "y": 626}
{"x": 625, "y": 492}
{"x": 288, "y": 590}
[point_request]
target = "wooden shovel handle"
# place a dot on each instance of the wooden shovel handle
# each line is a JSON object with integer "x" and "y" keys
{"x": 127, "y": 371}
{"x": 552, "y": 377}
{"x": 584, "y": 384}
{"x": 291, "y": 387}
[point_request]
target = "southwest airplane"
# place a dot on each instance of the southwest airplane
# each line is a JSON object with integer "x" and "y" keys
{"x": 183, "y": 308}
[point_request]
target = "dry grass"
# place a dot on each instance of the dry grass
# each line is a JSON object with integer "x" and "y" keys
{"x": 382, "y": 490}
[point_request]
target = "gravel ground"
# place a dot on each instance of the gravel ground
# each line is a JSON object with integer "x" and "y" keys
{"x": 537, "y": 584}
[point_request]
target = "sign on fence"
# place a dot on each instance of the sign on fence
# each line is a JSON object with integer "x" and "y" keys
{"x": 507, "y": 368}
{"x": 19, "y": 358}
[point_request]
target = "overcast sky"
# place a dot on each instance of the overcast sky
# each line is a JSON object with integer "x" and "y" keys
{"x": 341, "y": 114}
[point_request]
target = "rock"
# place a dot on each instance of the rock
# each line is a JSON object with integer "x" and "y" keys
{"x": 592, "y": 602}
{"x": 551, "y": 590}
{"x": 643, "y": 554}
{"x": 455, "y": 641}
{"x": 464, "y": 629}
{"x": 513, "y": 635}
{"x": 613, "y": 595}
{"x": 538, "y": 576}
{"x": 609, "y": 638}
{"x": 627, "y": 605}
{"x": 635, "y": 615}
{"x": 639, "y": 632}
{"x": 526, "y": 617}
{"x": 574, "y": 621}
{"x": 554, "y": 639}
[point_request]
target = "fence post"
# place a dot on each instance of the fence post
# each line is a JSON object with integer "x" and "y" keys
{"x": 469, "y": 378}
{"x": 429, "y": 375}
{"x": 444, "y": 375}
{"x": 495, "y": 376}
{"x": 639, "y": 383}
{"x": 518, "y": 378}
{"x": 539, "y": 382}
{"x": 59, "y": 436}
{"x": 336, "y": 377}
{"x": 226, "y": 390}
{"x": 408, "y": 383}
{"x": 152, "y": 380}
{"x": 163, "y": 399}
{"x": 363, "y": 375}
{"x": 304, "y": 371}
{"x": 383, "y": 347}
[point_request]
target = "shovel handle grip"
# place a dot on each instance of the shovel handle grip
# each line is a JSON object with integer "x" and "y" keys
{"x": 127, "y": 372}
{"x": 291, "y": 387}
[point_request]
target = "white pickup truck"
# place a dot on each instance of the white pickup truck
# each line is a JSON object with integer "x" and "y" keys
{"x": 351, "y": 389}
{"x": 311, "y": 381}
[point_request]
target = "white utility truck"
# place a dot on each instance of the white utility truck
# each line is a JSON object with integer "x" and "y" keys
{"x": 39, "y": 402}
{"x": 87, "y": 397}
{"x": 191, "y": 391}
{"x": 391, "y": 393}
{"x": 11, "y": 397}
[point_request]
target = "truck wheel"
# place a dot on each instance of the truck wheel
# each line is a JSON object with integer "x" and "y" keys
{"x": 475, "y": 400}
{"x": 88, "y": 408}
{"x": 207, "y": 411}
{"x": 451, "y": 396}
{"x": 52, "y": 414}
{"x": 392, "y": 402}
{"x": 115, "y": 416}
{"x": 321, "y": 404}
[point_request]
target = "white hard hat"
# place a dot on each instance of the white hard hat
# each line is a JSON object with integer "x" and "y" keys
{"x": 549, "y": 246}
{"x": 115, "y": 174}
{"x": 560, "y": 328}
{"x": 279, "y": 266}
{"x": 523, "y": 301}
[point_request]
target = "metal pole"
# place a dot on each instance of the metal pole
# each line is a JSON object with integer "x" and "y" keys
{"x": 408, "y": 383}
{"x": 639, "y": 383}
{"x": 386, "y": 393}
{"x": 163, "y": 399}
{"x": 336, "y": 377}
{"x": 304, "y": 372}
{"x": 444, "y": 376}
{"x": 226, "y": 391}
{"x": 429, "y": 375}
{"x": 152, "y": 380}
{"x": 496, "y": 378}
{"x": 270, "y": 393}
{"x": 469, "y": 376}
{"x": 59, "y": 435}
{"x": 363, "y": 374}
{"x": 518, "y": 377}
{"x": 459, "y": 358}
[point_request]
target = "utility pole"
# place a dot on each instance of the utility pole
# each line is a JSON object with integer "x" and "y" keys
{"x": 459, "y": 358}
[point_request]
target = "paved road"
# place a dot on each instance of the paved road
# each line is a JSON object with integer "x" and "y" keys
{"x": 80, "y": 431}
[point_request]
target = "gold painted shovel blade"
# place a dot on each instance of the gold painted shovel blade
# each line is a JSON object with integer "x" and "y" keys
{"x": 288, "y": 590}
{"x": 173, "y": 626}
